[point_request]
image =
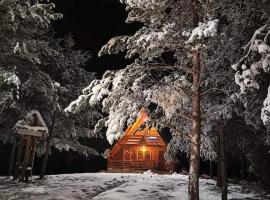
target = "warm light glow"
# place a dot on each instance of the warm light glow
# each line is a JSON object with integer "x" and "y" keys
{"x": 144, "y": 149}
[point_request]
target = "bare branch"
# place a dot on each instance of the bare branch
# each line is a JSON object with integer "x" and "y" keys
{"x": 223, "y": 107}
{"x": 257, "y": 32}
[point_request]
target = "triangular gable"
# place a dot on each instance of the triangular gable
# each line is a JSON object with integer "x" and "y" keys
{"x": 141, "y": 119}
{"x": 133, "y": 131}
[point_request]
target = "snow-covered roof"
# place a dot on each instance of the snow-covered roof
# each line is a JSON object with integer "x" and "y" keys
{"x": 39, "y": 129}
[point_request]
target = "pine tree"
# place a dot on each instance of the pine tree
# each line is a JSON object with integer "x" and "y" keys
{"x": 21, "y": 24}
{"x": 39, "y": 72}
{"x": 167, "y": 28}
{"x": 204, "y": 47}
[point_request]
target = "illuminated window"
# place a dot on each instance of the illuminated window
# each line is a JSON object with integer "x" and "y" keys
{"x": 144, "y": 153}
{"x": 147, "y": 155}
{"x": 140, "y": 155}
{"x": 132, "y": 155}
{"x": 126, "y": 155}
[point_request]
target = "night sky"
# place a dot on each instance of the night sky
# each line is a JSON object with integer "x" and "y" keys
{"x": 93, "y": 23}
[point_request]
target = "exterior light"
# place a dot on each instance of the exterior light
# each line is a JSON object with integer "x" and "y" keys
{"x": 144, "y": 148}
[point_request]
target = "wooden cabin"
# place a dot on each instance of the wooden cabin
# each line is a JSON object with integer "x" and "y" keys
{"x": 141, "y": 148}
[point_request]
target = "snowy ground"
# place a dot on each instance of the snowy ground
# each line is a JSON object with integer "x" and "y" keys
{"x": 116, "y": 186}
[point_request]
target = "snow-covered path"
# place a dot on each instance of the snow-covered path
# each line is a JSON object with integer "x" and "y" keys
{"x": 116, "y": 186}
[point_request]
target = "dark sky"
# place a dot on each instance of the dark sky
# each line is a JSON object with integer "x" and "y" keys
{"x": 93, "y": 23}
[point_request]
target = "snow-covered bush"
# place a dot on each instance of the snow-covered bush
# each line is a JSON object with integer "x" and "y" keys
{"x": 38, "y": 71}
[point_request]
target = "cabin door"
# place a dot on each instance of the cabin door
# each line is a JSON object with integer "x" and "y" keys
{"x": 161, "y": 165}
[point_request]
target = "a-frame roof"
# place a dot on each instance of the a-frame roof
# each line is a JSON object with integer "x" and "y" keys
{"x": 138, "y": 132}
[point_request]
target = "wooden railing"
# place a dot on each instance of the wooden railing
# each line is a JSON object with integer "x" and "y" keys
{"x": 126, "y": 164}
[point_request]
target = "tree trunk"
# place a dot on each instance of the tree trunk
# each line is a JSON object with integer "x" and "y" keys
{"x": 33, "y": 155}
{"x": 25, "y": 164}
{"x": 242, "y": 162}
{"x": 193, "y": 186}
{"x": 18, "y": 159}
{"x": 45, "y": 159}
{"x": 48, "y": 145}
{"x": 210, "y": 169}
{"x": 193, "y": 190}
{"x": 224, "y": 188}
{"x": 12, "y": 156}
{"x": 218, "y": 184}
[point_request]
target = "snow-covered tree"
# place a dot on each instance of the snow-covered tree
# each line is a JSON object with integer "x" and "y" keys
{"x": 122, "y": 93}
{"x": 204, "y": 39}
{"x": 243, "y": 18}
{"x": 188, "y": 29}
{"x": 253, "y": 78}
{"x": 168, "y": 28}
{"x": 252, "y": 69}
{"x": 23, "y": 26}
{"x": 39, "y": 72}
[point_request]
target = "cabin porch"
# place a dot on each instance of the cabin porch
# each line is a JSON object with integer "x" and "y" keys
{"x": 128, "y": 165}
{"x": 132, "y": 158}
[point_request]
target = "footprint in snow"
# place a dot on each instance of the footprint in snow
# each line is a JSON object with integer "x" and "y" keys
{"x": 121, "y": 191}
{"x": 84, "y": 190}
{"x": 144, "y": 190}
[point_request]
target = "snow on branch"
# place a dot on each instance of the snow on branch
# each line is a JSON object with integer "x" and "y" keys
{"x": 12, "y": 79}
{"x": 145, "y": 4}
{"x": 66, "y": 145}
{"x": 182, "y": 144}
{"x": 265, "y": 113}
{"x": 256, "y": 34}
{"x": 44, "y": 13}
{"x": 76, "y": 105}
{"x": 204, "y": 30}
{"x": 114, "y": 45}
{"x": 251, "y": 68}
{"x": 122, "y": 93}
{"x": 246, "y": 73}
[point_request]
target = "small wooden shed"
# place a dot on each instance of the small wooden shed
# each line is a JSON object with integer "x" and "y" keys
{"x": 140, "y": 148}
{"x": 29, "y": 131}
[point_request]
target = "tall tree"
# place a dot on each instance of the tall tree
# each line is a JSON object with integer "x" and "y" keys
{"x": 39, "y": 72}
{"x": 194, "y": 165}
{"x": 167, "y": 29}
{"x": 181, "y": 73}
